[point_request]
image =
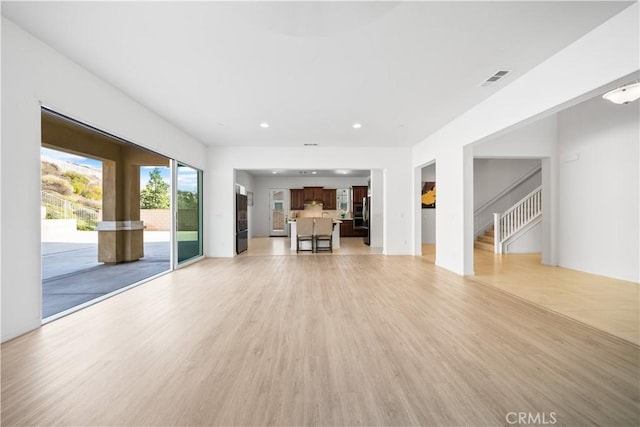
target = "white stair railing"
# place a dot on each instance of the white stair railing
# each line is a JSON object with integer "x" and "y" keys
{"x": 521, "y": 214}
{"x": 483, "y": 214}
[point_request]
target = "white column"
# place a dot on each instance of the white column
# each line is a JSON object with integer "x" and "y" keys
{"x": 467, "y": 204}
{"x": 377, "y": 209}
{"x": 549, "y": 208}
{"x": 497, "y": 235}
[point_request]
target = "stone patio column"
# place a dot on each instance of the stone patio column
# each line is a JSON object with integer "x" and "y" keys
{"x": 120, "y": 233}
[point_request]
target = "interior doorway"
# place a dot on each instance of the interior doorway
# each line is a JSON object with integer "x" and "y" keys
{"x": 428, "y": 204}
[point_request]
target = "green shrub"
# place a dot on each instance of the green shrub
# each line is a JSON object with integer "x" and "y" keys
{"x": 93, "y": 192}
{"x": 78, "y": 181}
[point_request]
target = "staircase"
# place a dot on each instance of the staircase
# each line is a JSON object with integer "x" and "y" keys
{"x": 485, "y": 241}
{"x": 483, "y": 215}
{"x": 513, "y": 223}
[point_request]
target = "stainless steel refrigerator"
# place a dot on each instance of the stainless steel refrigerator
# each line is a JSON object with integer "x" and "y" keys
{"x": 242, "y": 224}
{"x": 366, "y": 215}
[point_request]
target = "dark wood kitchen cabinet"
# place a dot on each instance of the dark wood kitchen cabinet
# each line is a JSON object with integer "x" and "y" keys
{"x": 359, "y": 193}
{"x": 297, "y": 199}
{"x": 312, "y": 193}
{"x": 301, "y": 195}
{"x": 347, "y": 230}
{"x": 328, "y": 199}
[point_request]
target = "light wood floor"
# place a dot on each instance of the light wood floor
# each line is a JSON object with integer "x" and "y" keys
{"x": 316, "y": 340}
{"x": 260, "y": 246}
{"x": 607, "y": 304}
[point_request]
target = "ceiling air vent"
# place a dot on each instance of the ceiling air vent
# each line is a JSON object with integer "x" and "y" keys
{"x": 495, "y": 77}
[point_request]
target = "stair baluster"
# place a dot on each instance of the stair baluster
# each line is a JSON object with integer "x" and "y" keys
{"x": 515, "y": 219}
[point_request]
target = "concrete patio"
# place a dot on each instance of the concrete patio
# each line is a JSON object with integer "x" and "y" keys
{"x": 72, "y": 275}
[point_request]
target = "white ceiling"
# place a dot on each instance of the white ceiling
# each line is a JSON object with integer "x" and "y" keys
{"x": 310, "y": 69}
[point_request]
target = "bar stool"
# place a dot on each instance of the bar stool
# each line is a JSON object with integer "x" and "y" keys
{"x": 324, "y": 233}
{"x": 304, "y": 233}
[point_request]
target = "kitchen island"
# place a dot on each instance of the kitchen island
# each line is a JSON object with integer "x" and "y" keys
{"x": 335, "y": 236}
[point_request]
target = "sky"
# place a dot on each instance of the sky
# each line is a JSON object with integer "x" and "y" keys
{"x": 71, "y": 158}
{"x": 187, "y": 177}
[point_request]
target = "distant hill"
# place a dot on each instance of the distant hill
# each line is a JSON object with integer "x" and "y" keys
{"x": 64, "y": 166}
{"x": 71, "y": 191}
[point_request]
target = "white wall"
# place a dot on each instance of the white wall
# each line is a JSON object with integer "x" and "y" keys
{"x": 429, "y": 215}
{"x": 526, "y": 243}
{"x": 493, "y": 176}
{"x": 394, "y": 162}
{"x": 260, "y": 220}
{"x": 598, "y": 191}
{"x": 33, "y": 75}
{"x": 604, "y": 55}
{"x": 532, "y": 140}
{"x": 377, "y": 229}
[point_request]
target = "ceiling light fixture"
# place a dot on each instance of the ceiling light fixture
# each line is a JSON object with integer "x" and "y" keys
{"x": 274, "y": 172}
{"x": 264, "y": 125}
{"x": 314, "y": 172}
{"x": 624, "y": 94}
{"x": 357, "y": 125}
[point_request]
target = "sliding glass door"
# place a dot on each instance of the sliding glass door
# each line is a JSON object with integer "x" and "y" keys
{"x": 98, "y": 235}
{"x": 188, "y": 211}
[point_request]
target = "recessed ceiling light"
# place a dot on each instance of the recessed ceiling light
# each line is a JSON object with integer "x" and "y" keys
{"x": 274, "y": 172}
{"x": 264, "y": 125}
{"x": 357, "y": 125}
{"x": 314, "y": 172}
{"x": 342, "y": 172}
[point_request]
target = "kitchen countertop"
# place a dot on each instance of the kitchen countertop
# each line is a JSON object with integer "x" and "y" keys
{"x": 335, "y": 221}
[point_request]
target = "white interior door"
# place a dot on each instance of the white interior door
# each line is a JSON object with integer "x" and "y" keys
{"x": 278, "y": 208}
